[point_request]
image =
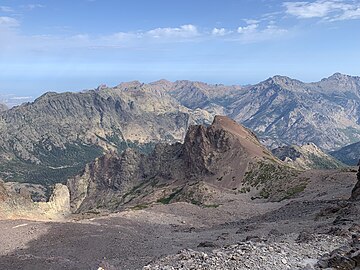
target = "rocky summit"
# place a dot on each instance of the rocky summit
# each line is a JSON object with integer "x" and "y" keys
{"x": 224, "y": 155}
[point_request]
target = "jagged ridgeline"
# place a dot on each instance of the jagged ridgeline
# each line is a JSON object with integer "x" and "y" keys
{"x": 224, "y": 156}
{"x": 284, "y": 111}
{"x": 53, "y": 138}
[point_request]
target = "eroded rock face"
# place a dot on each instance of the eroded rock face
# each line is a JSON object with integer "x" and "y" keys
{"x": 218, "y": 155}
{"x": 17, "y": 206}
{"x": 106, "y": 175}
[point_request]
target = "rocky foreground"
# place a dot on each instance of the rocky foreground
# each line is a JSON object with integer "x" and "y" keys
{"x": 306, "y": 252}
{"x": 238, "y": 234}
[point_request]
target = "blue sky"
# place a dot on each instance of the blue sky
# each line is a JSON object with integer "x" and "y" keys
{"x": 79, "y": 44}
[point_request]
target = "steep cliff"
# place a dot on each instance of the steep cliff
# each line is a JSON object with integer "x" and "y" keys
{"x": 20, "y": 206}
{"x": 224, "y": 155}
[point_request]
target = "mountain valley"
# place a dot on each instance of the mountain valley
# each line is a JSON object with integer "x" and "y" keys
{"x": 52, "y": 139}
{"x": 182, "y": 175}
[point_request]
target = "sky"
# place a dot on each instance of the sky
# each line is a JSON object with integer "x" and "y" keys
{"x": 73, "y": 45}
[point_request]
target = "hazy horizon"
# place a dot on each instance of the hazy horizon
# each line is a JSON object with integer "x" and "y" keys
{"x": 12, "y": 99}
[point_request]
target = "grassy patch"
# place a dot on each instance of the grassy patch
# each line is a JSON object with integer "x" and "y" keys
{"x": 294, "y": 190}
{"x": 166, "y": 200}
{"x": 211, "y": 205}
{"x": 140, "y": 207}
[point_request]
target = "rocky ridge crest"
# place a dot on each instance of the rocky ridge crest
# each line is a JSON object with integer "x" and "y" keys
{"x": 223, "y": 156}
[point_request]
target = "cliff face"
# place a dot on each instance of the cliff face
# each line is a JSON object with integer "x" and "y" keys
{"x": 56, "y": 135}
{"x": 224, "y": 155}
{"x": 19, "y": 206}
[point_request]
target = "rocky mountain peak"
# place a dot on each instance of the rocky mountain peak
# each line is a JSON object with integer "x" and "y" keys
{"x": 209, "y": 150}
{"x": 162, "y": 82}
{"x": 339, "y": 83}
{"x": 129, "y": 85}
{"x": 338, "y": 76}
{"x": 219, "y": 155}
{"x": 283, "y": 82}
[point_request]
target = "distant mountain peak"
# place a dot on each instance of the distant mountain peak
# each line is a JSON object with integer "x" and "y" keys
{"x": 284, "y": 82}
{"x": 131, "y": 84}
{"x": 161, "y": 81}
{"x": 339, "y": 76}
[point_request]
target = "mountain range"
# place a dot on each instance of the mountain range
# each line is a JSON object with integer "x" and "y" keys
{"x": 52, "y": 138}
{"x": 281, "y": 110}
{"x": 56, "y": 135}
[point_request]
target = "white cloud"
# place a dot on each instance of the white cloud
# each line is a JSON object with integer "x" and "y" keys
{"x": 184, "y": 31}
{"x": 8, "y": 22}
{"x": 326, "y": 9}
{"x": 351, "y": 14}
{"x": 17, "y": 42}
{"x": 251, "y": 28}
{"x": 254, "y": 33}
{"x": 6, "y": 9}
{"x": 220, "y": 32}
{"x": 32, "y": 6}
{"x": 251, "y": 21}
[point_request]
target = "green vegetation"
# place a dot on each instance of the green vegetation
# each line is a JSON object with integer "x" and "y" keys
{"x": 266, "y": 172}
{"x": 166, "y": 200}
{"x": 294, "y": 190}
{"x": 245, "y": 189}
{"x": 277, "y": 182}
{"x": 322, "y": 163}
{"x": 211, "y": 205}
{"x": 140, "y": 207}
{"x": 57, "y": 164}
{"x": 264, "y": 193}
{"x": 198, "y": 203}
{"x": 68, "y": 156}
